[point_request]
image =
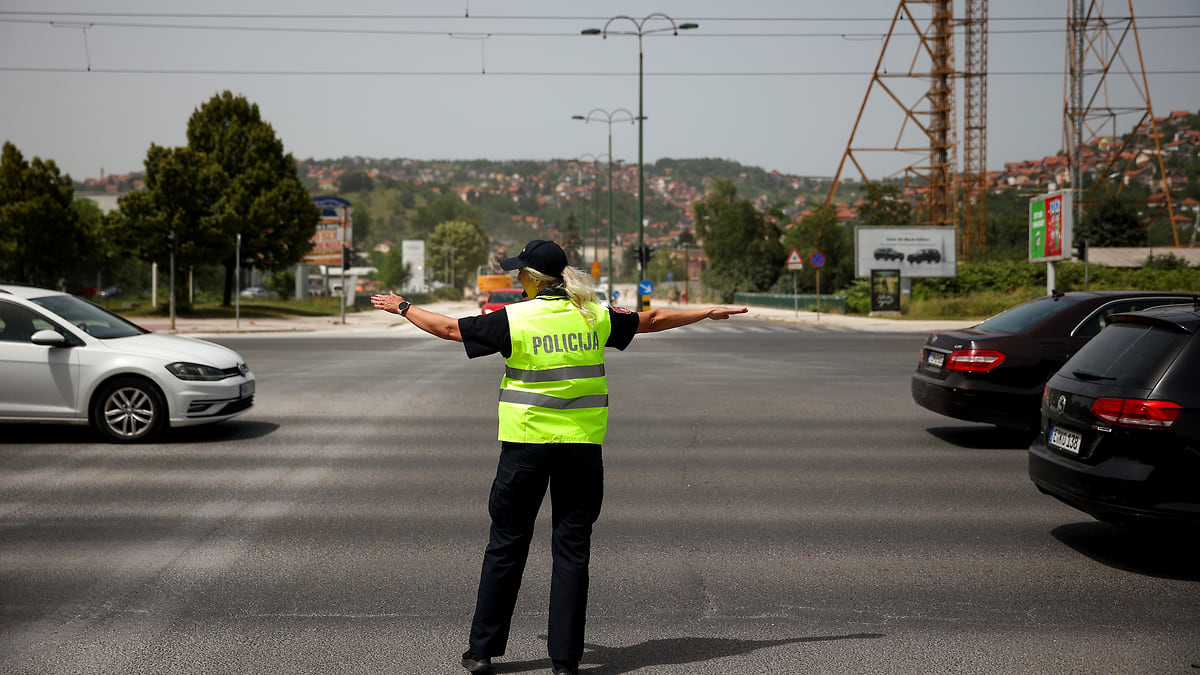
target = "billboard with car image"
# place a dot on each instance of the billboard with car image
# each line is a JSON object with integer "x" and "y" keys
{"x": 914, "y": 251}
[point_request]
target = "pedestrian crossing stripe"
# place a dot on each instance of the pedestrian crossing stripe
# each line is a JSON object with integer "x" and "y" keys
{"x": 735, "y": 329}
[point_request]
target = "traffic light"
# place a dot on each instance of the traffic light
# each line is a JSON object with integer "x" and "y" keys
{"x": 1081, "y": 250}
{"x": 645, "y": 253}
{"x": 347, "y": 255}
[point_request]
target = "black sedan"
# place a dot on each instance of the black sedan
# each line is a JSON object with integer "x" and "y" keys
{"x": 994, "y": 372}
{"x": 1120, "y": 433}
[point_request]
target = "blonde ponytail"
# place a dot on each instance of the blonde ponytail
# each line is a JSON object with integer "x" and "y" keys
{"x": 578, "y": 287}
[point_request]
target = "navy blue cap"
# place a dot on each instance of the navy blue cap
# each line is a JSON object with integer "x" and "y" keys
{"x": 546, "y": 257}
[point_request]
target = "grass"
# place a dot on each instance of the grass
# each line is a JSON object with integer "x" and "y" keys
{"x": 964, "y": 307}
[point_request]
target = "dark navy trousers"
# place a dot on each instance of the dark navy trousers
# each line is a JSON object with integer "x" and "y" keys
{"x": 575, "y": 476}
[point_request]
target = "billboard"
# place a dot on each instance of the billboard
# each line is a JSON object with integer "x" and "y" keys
{"x": 914, "y": 251}
{"x": 1050, "y": 224}
{"x": 885, "y": 290}
{"x": 412, "y": 252}
{"x": 333, "y": 231}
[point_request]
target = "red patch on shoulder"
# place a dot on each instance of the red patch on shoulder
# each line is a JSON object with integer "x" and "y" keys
{"x": 621, "y": 310}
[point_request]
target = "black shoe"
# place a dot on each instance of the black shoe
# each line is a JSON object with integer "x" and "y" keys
{"x": 561, "y": 668}
{"x": 476, "y": 664}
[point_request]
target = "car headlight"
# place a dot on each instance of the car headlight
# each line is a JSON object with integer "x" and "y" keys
{"x": 195, "y": 371}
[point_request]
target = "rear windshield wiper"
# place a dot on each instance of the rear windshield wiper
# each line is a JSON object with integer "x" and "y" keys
{"x": 1084, "y": 375}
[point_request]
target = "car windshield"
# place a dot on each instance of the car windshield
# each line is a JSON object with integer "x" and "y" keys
{"x": 93, "y": 319}
{"x": 505, "y": 297}
{"x": 1023, "y": 317}
{"x": 1133, "y": 354}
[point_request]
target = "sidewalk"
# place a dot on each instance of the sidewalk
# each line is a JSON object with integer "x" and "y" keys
{"x": 384, "y": 323}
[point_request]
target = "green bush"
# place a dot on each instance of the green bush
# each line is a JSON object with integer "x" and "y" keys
{"x": 986, "y": 287}
{"x": 447, "y": 293}
{"x": 858, "y": 296}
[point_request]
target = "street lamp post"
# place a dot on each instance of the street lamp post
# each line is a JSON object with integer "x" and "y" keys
{"x": 641, "y": 31}
{"x": 583, "y": 206}
{"x": 608, "y": 118}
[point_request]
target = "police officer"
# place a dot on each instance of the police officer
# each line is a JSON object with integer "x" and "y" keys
{"x": 553, "y": 415}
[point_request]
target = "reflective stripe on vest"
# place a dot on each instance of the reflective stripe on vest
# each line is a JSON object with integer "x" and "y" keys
{"x": 554, "y": 374}
{"x": 554, "y": 390}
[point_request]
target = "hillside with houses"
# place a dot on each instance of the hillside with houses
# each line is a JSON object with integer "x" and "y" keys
{"x": 520, "y": 198}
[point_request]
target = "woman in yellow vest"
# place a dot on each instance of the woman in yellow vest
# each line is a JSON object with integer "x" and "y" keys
{"x": 553, "y": 415}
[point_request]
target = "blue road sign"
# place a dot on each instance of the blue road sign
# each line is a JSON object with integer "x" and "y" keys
{"x": 646, "y": 287}
{"x": 817, "y": 259}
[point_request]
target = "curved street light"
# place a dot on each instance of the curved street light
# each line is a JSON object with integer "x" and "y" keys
{"x": 609, "y": 118}
{"x": 595, "y": 209}
{"x": 640, "y": 31}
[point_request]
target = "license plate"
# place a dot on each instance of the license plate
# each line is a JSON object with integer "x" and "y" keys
{"x": 1065, "y": 440}
{"x": 935, "y": 359}
{"x": 246, "y": 389}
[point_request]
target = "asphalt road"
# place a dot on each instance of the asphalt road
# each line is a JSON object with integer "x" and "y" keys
{"x": 775, "y": 503}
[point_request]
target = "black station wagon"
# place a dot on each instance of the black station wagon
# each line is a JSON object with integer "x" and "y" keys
{"x": 1120, "y": 431}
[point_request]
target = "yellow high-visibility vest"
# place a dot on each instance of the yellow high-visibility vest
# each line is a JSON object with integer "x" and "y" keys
{"x": 554, "y": 389}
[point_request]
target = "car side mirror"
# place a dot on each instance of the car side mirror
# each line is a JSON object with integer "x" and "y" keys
{"x": 48, "y": 338}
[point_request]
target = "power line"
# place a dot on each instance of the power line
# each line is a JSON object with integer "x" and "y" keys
{"x": 573, "y": 34}
{"x": 492, "y": 73}
{"x": 458, "y": 17}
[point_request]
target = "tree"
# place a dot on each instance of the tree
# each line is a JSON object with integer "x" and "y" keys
{"x": 458, "y": 247}
{"x": 821, "y": 232}
{"x": 393, "y": 271}
{"x": 571, "y": 244}
{"x": 445, "y": 208}
{"x": 1112, "y": 221}
{"x": 664, "y": 265}
{"x": 233, "y": 178}
{"x": 282, "y": 283}
{"x": 42, "y": 240}
{"x": 181, "y": 186}
{"x": 884, "y": 205}
{"x": 355, "y": 181}
{"x": 742, "y": 244}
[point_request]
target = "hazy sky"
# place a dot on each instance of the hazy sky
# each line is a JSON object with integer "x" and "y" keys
{"x": 769, "y": 83}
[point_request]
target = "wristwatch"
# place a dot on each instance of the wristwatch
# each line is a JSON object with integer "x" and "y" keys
{"x": 403, "y": 307}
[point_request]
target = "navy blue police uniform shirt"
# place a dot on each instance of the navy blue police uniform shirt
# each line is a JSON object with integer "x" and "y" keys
{"x": 487, "y": 334}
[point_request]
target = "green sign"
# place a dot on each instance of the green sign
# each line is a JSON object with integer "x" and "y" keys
{"x": 1050, "y": 222}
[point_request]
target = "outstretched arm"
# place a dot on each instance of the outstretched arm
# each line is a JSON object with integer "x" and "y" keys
{"x": 433, "y": 323}
{"x": 654, "y": 320}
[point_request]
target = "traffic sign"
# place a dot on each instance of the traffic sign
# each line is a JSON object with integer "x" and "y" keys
{"x": 794, "y": 261}
{"x": 646, "y": 287}
{"x": 595, "y": 269}
{"x": 817, "y": 259}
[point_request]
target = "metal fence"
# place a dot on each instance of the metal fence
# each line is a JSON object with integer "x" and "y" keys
{"x": 804, "y": 301}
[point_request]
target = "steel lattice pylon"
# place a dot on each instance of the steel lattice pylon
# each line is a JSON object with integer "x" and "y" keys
{"x": 933, "y": 116}
{"x": 1095, "y": 136}
{"x": 973, "y": 239}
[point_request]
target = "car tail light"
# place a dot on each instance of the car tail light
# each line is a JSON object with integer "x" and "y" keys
{"x": 974, "y": 360}
{"x": 1128, "y": 412}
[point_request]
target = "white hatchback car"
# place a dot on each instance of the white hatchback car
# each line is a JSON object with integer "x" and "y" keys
{"x": 66, "y": 360}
